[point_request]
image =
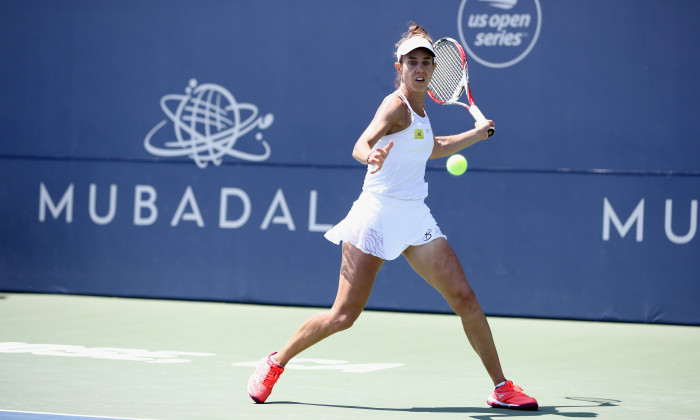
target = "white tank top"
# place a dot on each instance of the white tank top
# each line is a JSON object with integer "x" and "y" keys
{"x": 403, "y": 174}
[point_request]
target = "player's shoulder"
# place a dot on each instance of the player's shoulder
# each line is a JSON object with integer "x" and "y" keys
{"x": 393, "y": 107}
{"x": 393, "y": 100}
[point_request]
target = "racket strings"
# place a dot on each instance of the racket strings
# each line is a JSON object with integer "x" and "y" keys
{"x": 446, "y": 83}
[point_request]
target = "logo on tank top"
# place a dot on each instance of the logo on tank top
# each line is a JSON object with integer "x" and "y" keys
{"x": 418, "y": 134}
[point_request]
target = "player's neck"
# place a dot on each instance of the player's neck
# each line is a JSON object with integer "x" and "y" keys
{"x": 415, "y": 98}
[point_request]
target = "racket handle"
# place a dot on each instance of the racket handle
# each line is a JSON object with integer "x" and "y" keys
{"x": 478, "y": 116}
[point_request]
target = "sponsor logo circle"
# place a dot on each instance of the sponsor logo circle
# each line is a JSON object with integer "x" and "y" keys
{"x": 499, "y": 33}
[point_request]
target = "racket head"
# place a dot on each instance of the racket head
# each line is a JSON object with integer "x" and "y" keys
{"x": 450, "y": 76}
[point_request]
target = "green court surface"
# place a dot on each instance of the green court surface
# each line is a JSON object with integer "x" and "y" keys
{"x": 156, "y": 359}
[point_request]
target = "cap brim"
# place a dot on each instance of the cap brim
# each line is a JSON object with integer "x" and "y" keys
{"x": 411, "y": 44}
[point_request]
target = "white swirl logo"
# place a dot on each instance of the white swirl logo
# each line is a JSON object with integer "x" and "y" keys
{"x": 499, "y": 33}
{"x": 208, "y": 123}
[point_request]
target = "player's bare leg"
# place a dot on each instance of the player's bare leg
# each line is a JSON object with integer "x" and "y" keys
{"x": 357, "y": 273}
{"x": 437, "y": 263}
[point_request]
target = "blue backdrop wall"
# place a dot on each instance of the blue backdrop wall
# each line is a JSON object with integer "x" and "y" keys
{"x": 583, "y": 205}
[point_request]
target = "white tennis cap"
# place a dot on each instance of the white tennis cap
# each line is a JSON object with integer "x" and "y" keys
{"x": 411, "y": 44}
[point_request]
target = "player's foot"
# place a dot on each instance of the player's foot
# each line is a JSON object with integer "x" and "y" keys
{"x": 511, "y": 396}
{"x": 263, "y": 379}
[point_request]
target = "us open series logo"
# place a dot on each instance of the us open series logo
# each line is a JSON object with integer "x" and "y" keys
{"x": 499, "y": 33}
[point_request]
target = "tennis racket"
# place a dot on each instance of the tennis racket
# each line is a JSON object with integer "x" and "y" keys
{"x": 451, "y": 78}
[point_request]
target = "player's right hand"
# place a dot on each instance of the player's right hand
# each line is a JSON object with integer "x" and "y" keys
{"x": 377, "y": 156}
{"x": 484, "y": 126}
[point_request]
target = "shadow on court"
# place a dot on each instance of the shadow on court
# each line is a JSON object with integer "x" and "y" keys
{"x": 482, "y": 413}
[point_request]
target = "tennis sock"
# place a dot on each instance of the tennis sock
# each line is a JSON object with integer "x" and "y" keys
{"x": 275, "y": 362}
{"x": 501, "y": 384}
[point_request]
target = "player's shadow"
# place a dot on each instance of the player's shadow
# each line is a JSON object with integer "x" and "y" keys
{"x": 487, "y": 413}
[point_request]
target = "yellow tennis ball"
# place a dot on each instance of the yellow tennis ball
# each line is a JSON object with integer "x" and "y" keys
{"x": 456, "y": 164}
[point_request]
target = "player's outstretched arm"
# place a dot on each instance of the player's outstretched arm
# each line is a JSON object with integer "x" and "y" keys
{"x": 448, "y": 145}
{"x": 390, "y": 118}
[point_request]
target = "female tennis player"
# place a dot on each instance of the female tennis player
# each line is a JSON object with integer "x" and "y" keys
{"x": 390, "y": 219}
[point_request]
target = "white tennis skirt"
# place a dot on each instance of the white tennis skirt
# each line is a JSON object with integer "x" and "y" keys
{"x": 384, "y": 227}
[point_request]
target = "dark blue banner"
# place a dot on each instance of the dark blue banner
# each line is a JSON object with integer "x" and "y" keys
{"x": 199, "y": 151}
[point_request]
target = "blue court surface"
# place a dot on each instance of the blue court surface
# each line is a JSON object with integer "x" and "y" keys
{"x": 27, "y": 415}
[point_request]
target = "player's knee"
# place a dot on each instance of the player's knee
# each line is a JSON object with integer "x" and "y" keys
{"x": 464, "y": 302}
{"x": 342, "y": 320}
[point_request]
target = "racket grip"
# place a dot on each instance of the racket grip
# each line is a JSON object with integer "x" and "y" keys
{"x": 478, "y": 116}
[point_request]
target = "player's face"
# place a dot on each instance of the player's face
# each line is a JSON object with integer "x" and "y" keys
{"x": 416, "y": 69}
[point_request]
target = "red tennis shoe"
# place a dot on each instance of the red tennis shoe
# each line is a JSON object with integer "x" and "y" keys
{"x": 511, "y": 396}
{"x": 263, "y": 379}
